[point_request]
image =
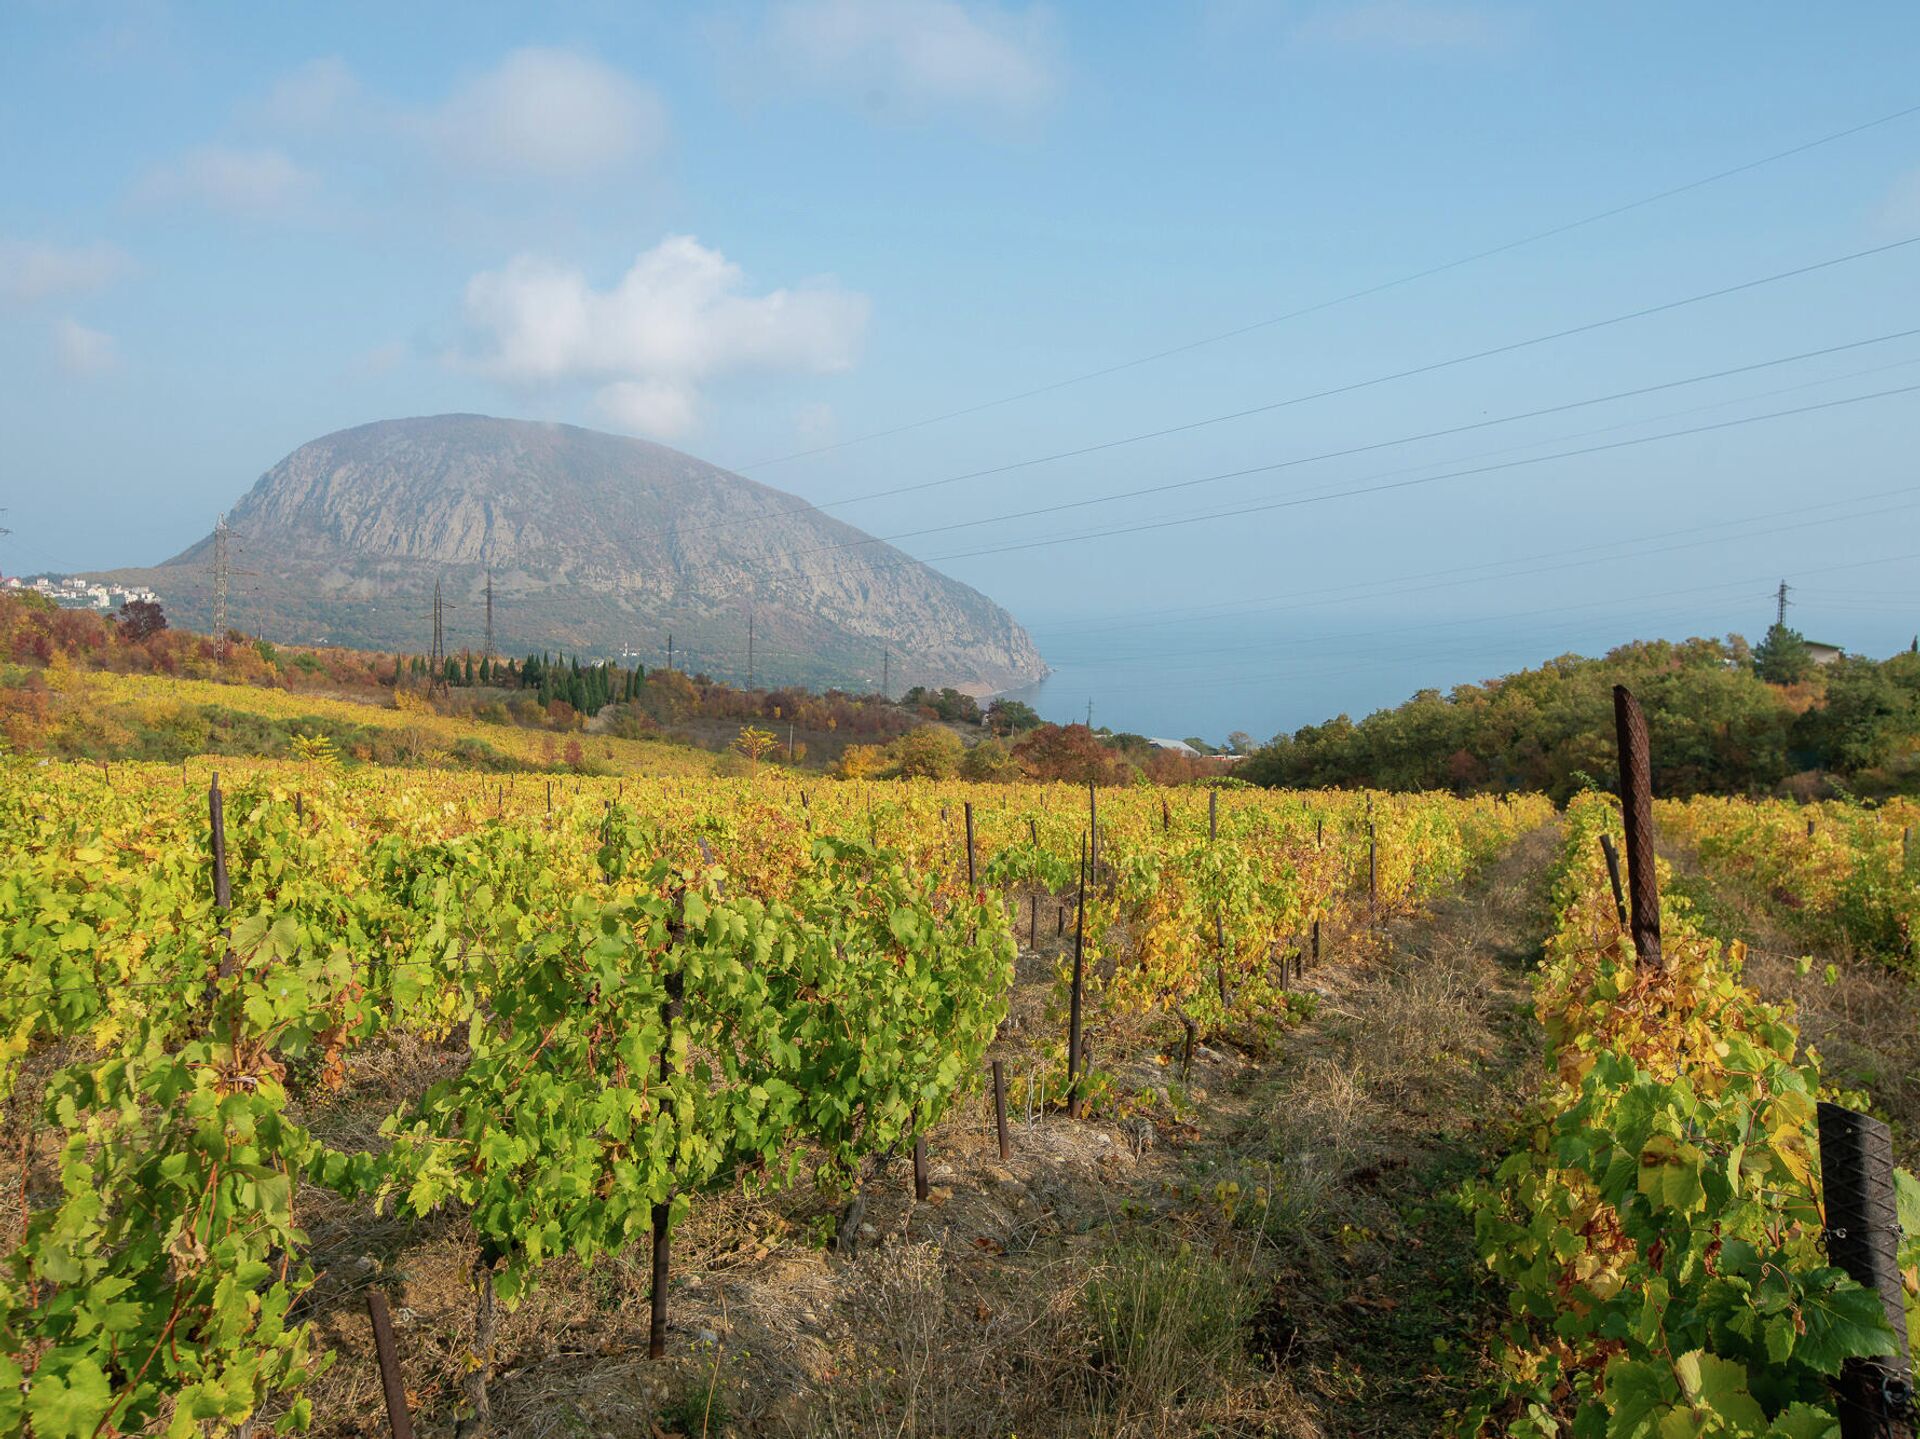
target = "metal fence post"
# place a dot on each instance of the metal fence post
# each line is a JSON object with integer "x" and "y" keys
{"x": 1874, "y": 1397}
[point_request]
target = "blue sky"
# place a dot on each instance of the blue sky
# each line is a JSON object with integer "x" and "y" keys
{"x": 755, "y": 230}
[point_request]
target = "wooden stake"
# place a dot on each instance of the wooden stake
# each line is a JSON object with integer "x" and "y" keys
{"x": 1636, "y": 805}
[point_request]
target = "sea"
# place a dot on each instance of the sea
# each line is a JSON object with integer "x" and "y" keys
{"x": 1258, "y": 678}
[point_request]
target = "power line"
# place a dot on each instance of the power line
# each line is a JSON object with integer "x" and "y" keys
{"x": 1445, "y": 432}
{"x": 1158, "y": 660}
{"x": 1385, "y": 285}
{"x": 1342, "y": 594}
{"x": 1352, "y": 493}
{"x": 1313, "y": 599}
{"x": 1351, "y": 387}
{"x": 1386, "y": 482}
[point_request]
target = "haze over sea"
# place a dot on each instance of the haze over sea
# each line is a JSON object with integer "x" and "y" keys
{"x": 1265, "y": 674}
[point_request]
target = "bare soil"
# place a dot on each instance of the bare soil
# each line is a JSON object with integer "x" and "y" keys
{"x": 1267, "y": 1245}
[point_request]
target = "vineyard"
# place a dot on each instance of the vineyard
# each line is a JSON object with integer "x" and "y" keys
{"x": 1663, "y": 1234}
{"x": 655, "y": 989}
{"x": 617, "y": 1006}
{"x": 1842, "y": 874}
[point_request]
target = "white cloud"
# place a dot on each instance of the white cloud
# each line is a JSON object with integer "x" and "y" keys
{"x": 678, "y": 318}
{"x": 30, "y": 272}
{"x": 554, "y": 114}
{"x": 650, "y": 407}
{"x": 914, "y": 56}
{"x": 82, "y": 351}
{"x": 312, "y": 98}
{"x": 240, "y": 181}
{"x": 1405, "y": 25}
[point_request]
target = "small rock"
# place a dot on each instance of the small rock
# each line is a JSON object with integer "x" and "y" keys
{"x": 867, "y": 1231}
{"x": 705, "y": 1336}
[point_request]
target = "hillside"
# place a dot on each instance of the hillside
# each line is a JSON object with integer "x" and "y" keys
{"x": 597, "y": 544}
{"x": 1718, "y": 727}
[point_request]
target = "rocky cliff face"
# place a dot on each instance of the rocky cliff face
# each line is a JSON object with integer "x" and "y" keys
{"x": 597, "y": 544}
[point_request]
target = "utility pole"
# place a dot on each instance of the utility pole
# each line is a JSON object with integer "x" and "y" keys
{"x": 222, "y": 573}
{"x": 1089, "y": 714}
{"x": 1781, "y": 595}
{"x": 749, "y": 649}
{"x": 488, "y": 652}
{"x": 886, "y": 671}
{"x": 437, "y": 680}
{"x": 669, "y": 649}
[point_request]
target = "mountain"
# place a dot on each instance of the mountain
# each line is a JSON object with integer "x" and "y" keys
{"x": 597, "y": 544}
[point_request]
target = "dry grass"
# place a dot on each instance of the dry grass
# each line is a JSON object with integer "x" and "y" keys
{"x": 1862, "y": 1022}
{"x": 1108, "y": 1280}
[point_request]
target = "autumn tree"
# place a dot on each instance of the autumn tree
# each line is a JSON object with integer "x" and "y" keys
{"x": 754, "y": 743}
{"x": 990, "y": 762}
{"x": 1070, "y": 753}
{"x": 929, "y": 752}
{"x": 141, "y": 620}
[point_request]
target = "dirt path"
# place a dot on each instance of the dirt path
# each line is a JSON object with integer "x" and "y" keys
{"x": 1266, "y": 1245}
{"x": 1410, "y": 1085}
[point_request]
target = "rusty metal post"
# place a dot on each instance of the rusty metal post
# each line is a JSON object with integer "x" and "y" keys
{"x": 222, "y": 886}
{"x": 1613, "y": 875}
{"x": 972, "y": 884}
{"x": 1074, "y": 1000}
{"x": 1636, "y": 806}
{"x": 217, "y": 822}
{"x": 663, "y": 1211}
{"x": 1874, "y": 1397}
{"x": 391, "y": 1383}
